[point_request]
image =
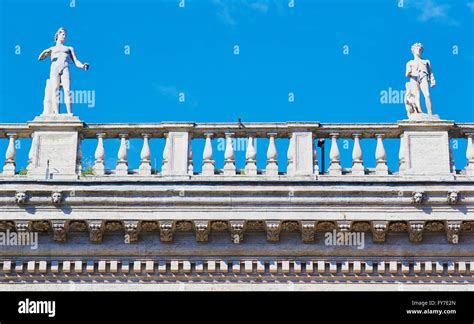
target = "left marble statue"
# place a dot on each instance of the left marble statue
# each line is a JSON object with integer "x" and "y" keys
{"x": 59, "y": 76}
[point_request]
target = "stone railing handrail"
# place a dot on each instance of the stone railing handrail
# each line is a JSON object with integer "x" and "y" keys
{"x": 260, "y": 129}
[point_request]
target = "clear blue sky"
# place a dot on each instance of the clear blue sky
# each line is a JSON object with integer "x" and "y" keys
{"x": 282, "y": 50}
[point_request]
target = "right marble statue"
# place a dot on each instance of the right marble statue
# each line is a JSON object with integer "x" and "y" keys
{"x": 421, "y": 78}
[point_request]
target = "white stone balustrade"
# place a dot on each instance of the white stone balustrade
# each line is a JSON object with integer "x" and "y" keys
{"x": 302, "y": 152}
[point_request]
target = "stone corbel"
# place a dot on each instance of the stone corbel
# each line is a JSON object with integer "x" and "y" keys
{"x": 237, "y": 229}
{"x": 453, "y": 231}
{"x": 343, "y": 226}
{"x": 415, "y": 229}
{"x": 273, "y": 229}
{"x": 379, "y": 231}
{"x": 96, "y": 230}
{"x": 131, "y": 231}
{"x": 22, "y": 226}
{"x": 202, "y": 230}
{"x": 59, "y": 230}
{"x": 308, "y": 229}
{"x": 166, "y": 230}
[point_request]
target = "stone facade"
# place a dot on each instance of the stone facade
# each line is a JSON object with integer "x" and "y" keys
{"x": 228, "y": 226}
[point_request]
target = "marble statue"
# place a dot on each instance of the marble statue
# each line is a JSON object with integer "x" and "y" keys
{"x": 421, "y": 78}
{"x": 59, "y": 76}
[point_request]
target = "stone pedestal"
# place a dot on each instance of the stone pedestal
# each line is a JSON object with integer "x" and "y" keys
{"x": 54, "y": 147}
{"x": 301, "y": 153}
{"x": 426, "y": 148}
{"x": 178, "y": 153}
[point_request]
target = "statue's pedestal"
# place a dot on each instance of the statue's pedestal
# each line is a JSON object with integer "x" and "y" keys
{"x": 426, "y": 148}
{"x": 55, "y": 147}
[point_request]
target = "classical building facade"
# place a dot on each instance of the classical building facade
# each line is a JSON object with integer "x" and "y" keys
{"x": 175, "y": 228}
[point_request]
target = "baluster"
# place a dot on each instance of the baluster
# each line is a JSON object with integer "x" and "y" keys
{"x": 229, "y": 162}
{"x": 99, "y": 166}
{"x": 290, "y": 166}
{"x": 122, "y": 164}
{"x": 79, "y": 155}
{"x": 29, "y": 165}
{"x": 165, "y": 167}
{"x": 401, "y": 155}
{"x": 470, "y": 155}
{"x": 190, "y": 156}
{"x": 451, "y": 159}
{"x": 10, "y": 155}
{"x": 145, "y": 157}
{"x": 334, "y": 156}
{"x": 250, "y": 158}
{"x": 380, "y": 157}
{"x": 315, "y": 158}
{"x": 272, "y": 163}
{"x": 357, "y": 159}
{"x": 207, "y": 161}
